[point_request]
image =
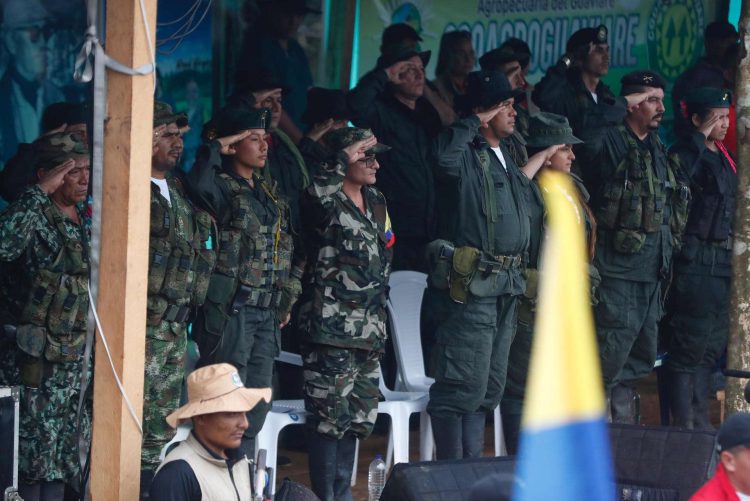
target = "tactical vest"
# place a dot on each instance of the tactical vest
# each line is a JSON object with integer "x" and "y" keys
{"x": 635, "y": 202}
{"x": 179, "y": 268}
{"x": 257, "y": 256}
{"x": 53, "y": 317}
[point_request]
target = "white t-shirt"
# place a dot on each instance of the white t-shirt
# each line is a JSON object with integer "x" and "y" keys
{"x": 163, "y": 188}
{"x": 596, "y": 98}
{"x": 499, "y": 155}
{"x": 743, "y": 497}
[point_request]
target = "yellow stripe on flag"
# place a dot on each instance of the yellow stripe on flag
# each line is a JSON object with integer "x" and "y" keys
{"x": 564, "y": 382}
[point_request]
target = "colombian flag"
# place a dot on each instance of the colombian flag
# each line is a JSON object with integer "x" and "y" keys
{"x": 564, "y": 452}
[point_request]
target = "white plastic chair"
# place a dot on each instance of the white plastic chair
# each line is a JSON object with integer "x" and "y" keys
{"x": 283, "y": 413}
{"x": 404, "y": 309}
{"x": 180, "y": 435}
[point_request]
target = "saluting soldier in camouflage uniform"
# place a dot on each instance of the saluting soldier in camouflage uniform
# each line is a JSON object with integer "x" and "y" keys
{"x": 180, "y": 263}
{"x": 348, "y": 247}
{"x": 640, "y": 203}
{"x": 44, "y": 258}
{"x": 698, "y": 305}
{"x": 251, "y": 292}
{"x": 476, "y": 269}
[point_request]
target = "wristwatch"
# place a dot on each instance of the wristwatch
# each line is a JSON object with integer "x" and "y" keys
{"x": 566, "y": 61}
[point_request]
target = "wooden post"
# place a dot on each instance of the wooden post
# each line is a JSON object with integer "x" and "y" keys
{"x": 116, "y": 447}
{"x": 738, "y": 353}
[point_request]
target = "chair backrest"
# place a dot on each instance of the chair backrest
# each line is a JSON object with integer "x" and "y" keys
{"x": 404, "y": 307}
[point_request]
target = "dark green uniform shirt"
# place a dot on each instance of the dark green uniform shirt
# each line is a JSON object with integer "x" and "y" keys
{"x": 464, "y": 209}
{"x": 603, "y": 151}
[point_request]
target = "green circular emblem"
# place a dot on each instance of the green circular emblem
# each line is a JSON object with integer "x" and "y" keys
{"x": 675, "y": 36}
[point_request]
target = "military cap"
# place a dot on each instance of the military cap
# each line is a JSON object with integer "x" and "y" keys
{"x": 339, "y": 139}
{"x": 323, "y": 104}
{"x": 54, "y": 149}
{"x": 57, "y": 114}
{"x": 547, "y": 129}
{"x": 585, "y": 36}
{"x": 709, "y": 97}
{"x": 232, "y": 120}
{"x": 734, "y": 431}
{"x": 395, "y": 34}
{"x": 643, "y": 78}
{"x": 163, "y": 115}
{"x": 394, "y": 54}
{"x": 492, "y": 60}
{"x": 485, "y": 89}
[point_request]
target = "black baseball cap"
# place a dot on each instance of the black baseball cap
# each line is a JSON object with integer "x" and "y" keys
{"x": 734, "y": 431}
{"x": 487, "y": 88}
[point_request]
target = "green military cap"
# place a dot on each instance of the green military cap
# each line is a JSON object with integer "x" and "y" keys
{"x": 585, "y": 36}
{"x": 547, "y": 129}
{"x": 164, "y": 115}
{"x": 339, "y": 139}
{"x": 709, "y": 97}
{"x": 233, "y": 120}
{"x": 54, "y": 149}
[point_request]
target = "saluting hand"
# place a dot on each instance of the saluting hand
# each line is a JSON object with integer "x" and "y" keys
{"x": 549, "y": 152}
{"x": 634, "y": 100}
{"x": 320, "y": 129}
{"x": 51, "y": 180}
{"x": 158, "y": 131}
{"x": 263, "y": 95}
{"x": 229, "y": 141}
{"x": 487, "y": 115}
{"x": 708, "y": 124}
{"x": 397, "y": 71}
{"x": 356, "y": 151}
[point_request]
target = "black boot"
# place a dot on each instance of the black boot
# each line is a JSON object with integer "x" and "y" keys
{"x": 472, "y": 438}
{"x": 681, "y": 398}
{"x": 701, "y": 388}
{"x": 623, "y": 404}
{"x": 322, "y": 465}
{"x": 342, "y": 483}
{"x": 511, "y": 431}
{"x": 448, "y": 432}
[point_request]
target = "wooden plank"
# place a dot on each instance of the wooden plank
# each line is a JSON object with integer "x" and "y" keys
{"x": 116, "y": 447}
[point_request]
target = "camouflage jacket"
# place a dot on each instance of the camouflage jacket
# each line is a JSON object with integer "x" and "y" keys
{"x": 37, "y": 241}
{"x": 348, "y": 263}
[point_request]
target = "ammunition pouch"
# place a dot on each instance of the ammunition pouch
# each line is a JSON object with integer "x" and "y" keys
{"x": 65, "y": 349}
{"x": 439, "y": 254}
{"x": 628, "y": 241}
{"x": 532, "y": 284}
{"x": 250, "y": 296}
{"x": 464, "y": 267}
{"x": 31, "y": 339}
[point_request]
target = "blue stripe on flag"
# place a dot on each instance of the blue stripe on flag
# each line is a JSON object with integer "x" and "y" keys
{"x": 565, "y": 463}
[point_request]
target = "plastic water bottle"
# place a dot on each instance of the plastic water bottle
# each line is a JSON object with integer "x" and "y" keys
{"x": 376, "y": 478}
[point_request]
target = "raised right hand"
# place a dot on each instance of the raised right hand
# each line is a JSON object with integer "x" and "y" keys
{"x": 51, "y": 180}
{"x": 227, "y": 142}
{"x": 356, "y": 151}
{"x": 397, "y": 71}
{"x": 707, "y": 126}
{"x": 488, "y": 114}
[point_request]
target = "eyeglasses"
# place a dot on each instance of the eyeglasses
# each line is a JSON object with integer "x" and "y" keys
{"x": 368, "y": 161}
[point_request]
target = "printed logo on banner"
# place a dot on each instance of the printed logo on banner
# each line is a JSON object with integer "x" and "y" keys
{"x": 675, "y": 35}
{"x": 414, "y": 13}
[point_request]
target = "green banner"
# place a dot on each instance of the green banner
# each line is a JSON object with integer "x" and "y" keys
{"x": 664, "y": 35}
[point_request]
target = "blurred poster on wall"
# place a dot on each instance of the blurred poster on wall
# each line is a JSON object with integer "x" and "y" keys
{"x": 183, "y": 59}
{"x": 40, "y": 40}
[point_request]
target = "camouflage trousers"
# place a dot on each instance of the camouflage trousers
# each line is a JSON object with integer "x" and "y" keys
{"x": 166, "y": 346}
{"x": 49, "y": 428}
{"x": 341, "y": 390}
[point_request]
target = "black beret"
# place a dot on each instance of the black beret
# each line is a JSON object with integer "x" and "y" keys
{"x": 232, "y": 120}
{"x": 734, "y": 431}
{"x": 644, "y": 78}
{"x": 585, "y": 36}
{"x": 487, "y": 88}
{"x": 493, "y": 59}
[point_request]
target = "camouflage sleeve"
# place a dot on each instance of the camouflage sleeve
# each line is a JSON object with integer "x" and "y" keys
{"x": 18, "y": 223}
{"x": 329, "y": 177}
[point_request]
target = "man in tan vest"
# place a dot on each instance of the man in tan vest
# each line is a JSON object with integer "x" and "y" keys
{"x": 208, "y": 465}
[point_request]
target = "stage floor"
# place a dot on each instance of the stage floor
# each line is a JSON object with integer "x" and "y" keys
{"x": 378, "y": 442}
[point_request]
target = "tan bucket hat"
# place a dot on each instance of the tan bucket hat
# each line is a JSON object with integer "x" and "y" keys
{"x": 217, "y": 388}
